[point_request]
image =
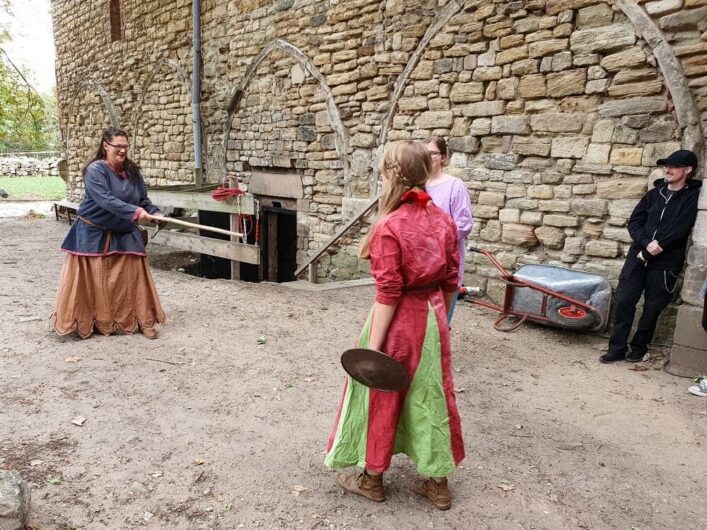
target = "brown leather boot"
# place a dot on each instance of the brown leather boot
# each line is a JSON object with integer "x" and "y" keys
{"x": 369, "y": 486}
{"x": 437, "y": 492}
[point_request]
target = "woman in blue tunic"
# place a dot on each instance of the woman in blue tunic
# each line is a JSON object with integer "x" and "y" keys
{"x": 105, "y": 283}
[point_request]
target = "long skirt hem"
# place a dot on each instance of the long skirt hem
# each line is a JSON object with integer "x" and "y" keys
{"x": 107, "y": 294}
{"x": 421, "y": 422}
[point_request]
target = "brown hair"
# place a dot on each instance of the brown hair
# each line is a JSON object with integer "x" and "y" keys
{"x": 132, "y": 169}
{"x": 440, "y": 144}
{"x": 406, "y": 165}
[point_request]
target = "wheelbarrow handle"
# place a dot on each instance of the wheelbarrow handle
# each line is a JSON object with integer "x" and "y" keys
{"x": 493, "y": 260}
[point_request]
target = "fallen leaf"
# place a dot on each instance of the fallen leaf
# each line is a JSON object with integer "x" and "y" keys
{"x": 507, "y": 487}
{"x": 639, "y": 368}
{"x": 197, "y": 461}
{"x": 72, "y": 359}
{"x": 156, "y": 474}
{"x": 55, "y": 481}
{"x": 79, "y": 421}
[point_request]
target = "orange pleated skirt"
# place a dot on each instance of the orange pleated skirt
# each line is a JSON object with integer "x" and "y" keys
{"x": 107, "y": 294}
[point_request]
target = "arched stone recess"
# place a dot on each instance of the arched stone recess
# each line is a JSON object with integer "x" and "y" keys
{"x": 341, "y": 136}
{"x": 688, "y": 115}
{"x": 554, "y": 119}
{"x": 163, "y": 139}
{"x": 440, "y": 20}
{"x": 90, "y": 111}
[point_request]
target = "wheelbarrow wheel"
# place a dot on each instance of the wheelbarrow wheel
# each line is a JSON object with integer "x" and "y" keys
{"x": 573, "y": 317}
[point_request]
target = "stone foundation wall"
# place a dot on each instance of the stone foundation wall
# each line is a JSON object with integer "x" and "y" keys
{"x": 555, "y": 111}
{"x": 24, "y": 166}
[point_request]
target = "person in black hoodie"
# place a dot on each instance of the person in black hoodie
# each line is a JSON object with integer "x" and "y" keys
{"x": 660, "y": 227}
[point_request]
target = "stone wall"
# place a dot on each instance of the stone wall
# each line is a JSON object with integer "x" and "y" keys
{"x": 25, "y": 166}
{"x": 555, "y": 110}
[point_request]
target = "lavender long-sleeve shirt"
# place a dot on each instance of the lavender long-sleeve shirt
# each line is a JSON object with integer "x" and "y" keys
{"x": 452, "y": 196}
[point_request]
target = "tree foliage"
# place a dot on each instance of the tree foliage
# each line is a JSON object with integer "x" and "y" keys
{"x": 27, "y": 119}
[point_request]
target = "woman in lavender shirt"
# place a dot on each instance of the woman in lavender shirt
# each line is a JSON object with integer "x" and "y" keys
{"x": 450, "y": 194}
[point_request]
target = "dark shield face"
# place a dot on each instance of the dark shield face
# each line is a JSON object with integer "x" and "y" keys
{"x": 375, "y": 369}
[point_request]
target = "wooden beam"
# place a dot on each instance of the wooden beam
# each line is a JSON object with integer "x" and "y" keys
{"x": 235, "y": 265}
{"x": 193, "y": 200}
{"x": 272, "y": 246}
{"x": 210, "y": 246}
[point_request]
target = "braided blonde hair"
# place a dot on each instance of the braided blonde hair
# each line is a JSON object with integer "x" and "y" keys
{"x": 405, "y": 165}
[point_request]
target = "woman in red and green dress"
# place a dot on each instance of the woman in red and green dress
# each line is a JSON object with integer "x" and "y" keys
{"x": 414, "y": 261}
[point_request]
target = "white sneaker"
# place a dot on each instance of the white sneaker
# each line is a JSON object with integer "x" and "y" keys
{"x": 700, "y": 389}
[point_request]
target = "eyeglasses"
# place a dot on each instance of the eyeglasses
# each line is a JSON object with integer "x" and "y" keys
{"x": 123, "y": 147}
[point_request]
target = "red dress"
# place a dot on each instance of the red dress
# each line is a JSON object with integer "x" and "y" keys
{"x": 414, "y": 258}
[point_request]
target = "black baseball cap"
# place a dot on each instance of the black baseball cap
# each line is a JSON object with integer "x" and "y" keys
{"x": 681, "y": 158}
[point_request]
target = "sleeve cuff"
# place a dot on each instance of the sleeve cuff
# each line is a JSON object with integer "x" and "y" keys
{"x": 387, "y": 299}
{"x": 137, "y": 214}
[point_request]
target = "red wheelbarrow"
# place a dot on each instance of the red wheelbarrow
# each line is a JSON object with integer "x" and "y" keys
{"x": 549, "y": 295}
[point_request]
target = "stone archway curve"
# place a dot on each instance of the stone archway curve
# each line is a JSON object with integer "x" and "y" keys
{"x": 340, "y": 131}
{"x": 158, "y": 65}
{"x": 446, "y": 13}
{"x": 688, "y": 115}
{"x": 105, "y": 97}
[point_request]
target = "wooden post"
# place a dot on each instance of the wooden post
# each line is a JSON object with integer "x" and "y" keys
{"x": 272, "y": 246}
{"x": 312, "y": 272}
{"x": 235, "y": 265}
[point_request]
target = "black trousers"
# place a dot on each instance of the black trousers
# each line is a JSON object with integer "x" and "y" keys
{"x": 657, "y": 286}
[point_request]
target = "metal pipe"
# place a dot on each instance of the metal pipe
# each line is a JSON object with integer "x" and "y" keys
{"x": 196, "y": 89}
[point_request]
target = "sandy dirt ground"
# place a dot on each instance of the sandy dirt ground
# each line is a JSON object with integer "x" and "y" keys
{"x": 207, "y": 428}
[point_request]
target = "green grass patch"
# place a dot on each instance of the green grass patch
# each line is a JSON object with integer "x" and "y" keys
{"x": 33, "y": 188}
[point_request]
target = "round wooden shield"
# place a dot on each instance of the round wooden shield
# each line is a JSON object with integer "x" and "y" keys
{"x": 375, "y": 369}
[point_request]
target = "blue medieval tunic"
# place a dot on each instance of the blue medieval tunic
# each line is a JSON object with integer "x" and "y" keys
{"x": 111, "y": 204}
{"x": 105, "y": 283}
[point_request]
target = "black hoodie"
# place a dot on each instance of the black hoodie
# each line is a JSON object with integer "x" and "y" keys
{"x": 667, "y": 217}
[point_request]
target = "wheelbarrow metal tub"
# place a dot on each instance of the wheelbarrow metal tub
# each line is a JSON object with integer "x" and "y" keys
{"x": 551, "y": 295}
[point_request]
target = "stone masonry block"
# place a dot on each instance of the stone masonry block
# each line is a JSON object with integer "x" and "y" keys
{"x": 569, "y": 146}
{"x": 490, "y": 198}
{"x": 435, "y": 120}
{"x": 558, "y": 122}
{"x": 524, "y": 145}
{"x": 626, "y": 156}
{"x": 532, "y": 86}
{"x": 510, "y": 125}
{"x": 604, "y": 38}
{"x": 484, "y": 108}
{"x": 590, "y": 207}
{"x": 560, "y": 220}
{"x": 566, "y": 83}
{"x": 602, "y": 248}
{"x": 550, "y": 237}
{"x": 654, "y": 152}
{"x": 520, "y": 235}
{"x": 542, "y": 191}
{"x": 624, "y": 188}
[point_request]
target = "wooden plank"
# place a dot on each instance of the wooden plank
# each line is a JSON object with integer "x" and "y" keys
{"x": 272, "y": 246}
{"x": 202, "y": 201}
{"x": 235, "y": 265}
{"x": 276, "y": 184}
{"x": 210, "y": 246}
